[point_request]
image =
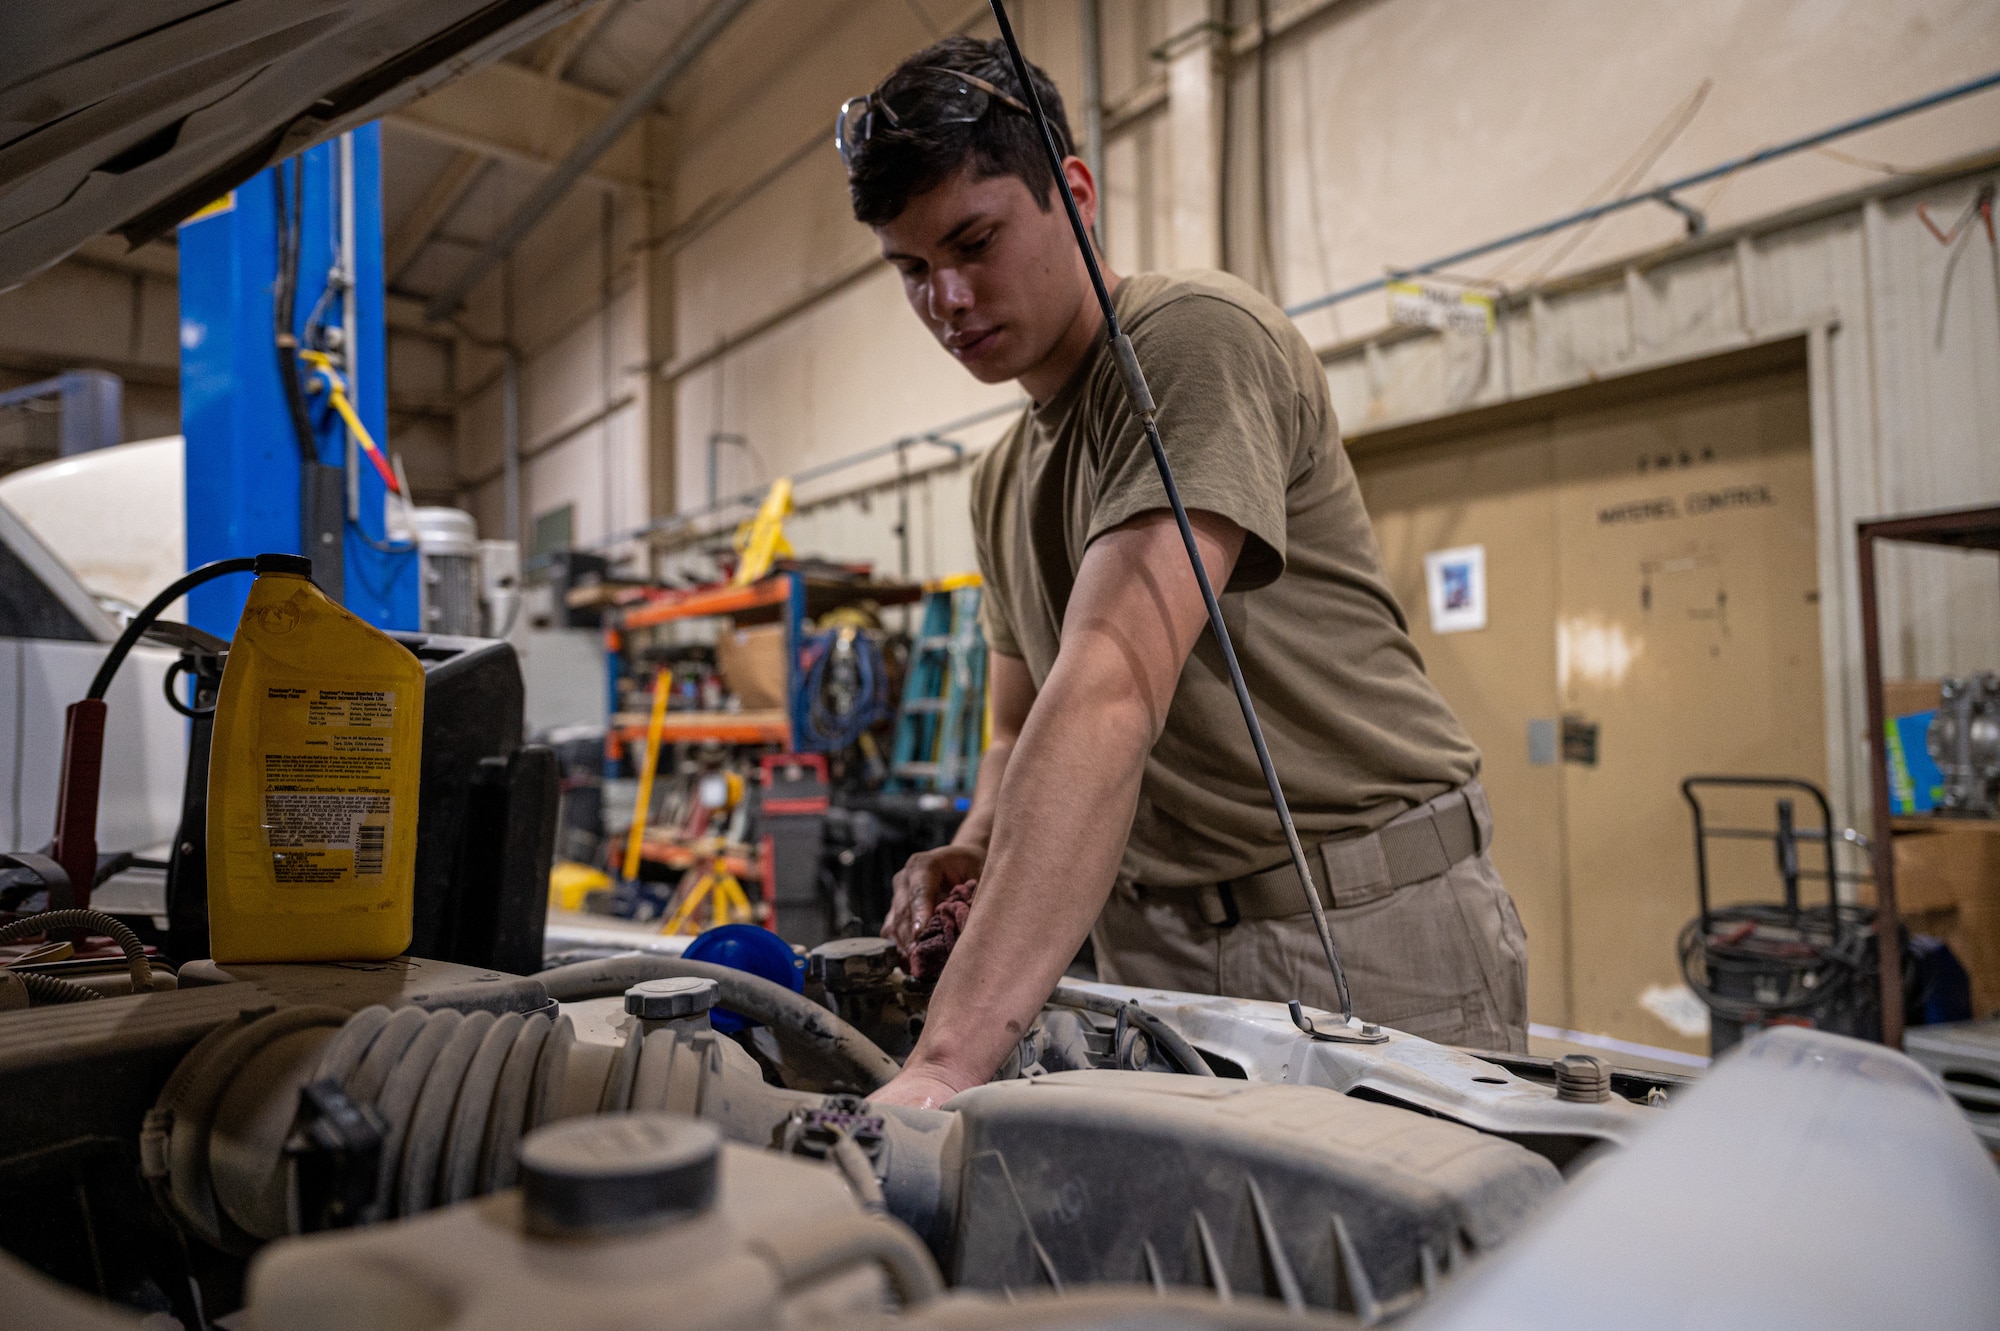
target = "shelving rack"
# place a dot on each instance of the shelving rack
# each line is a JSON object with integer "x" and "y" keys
{"x": 1965, "y": 529}
{"x": 788, "y": 597}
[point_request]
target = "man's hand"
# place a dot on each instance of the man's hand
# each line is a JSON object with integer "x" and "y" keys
{"x": 920, "y": 884}
{"x": 923, "y": 1087}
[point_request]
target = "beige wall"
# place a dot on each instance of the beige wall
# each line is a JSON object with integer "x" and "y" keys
{"x": 1409, "y": 129}
{"x": 110, "y": 309}
{"x": 103, "y": 310}
{"x": 854, "y": 370}
{"x": 1398, "y": 130}
{"x": 570, "y": 298}
{"x": 1901, "y": 403}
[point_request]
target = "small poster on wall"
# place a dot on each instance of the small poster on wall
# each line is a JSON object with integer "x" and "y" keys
{"x": 1456, "y": 580}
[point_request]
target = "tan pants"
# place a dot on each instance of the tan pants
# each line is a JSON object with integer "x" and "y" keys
{"x": 1445, "y": 958}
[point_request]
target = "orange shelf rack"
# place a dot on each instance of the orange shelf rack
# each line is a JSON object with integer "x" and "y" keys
{"x": 787, "y": 596}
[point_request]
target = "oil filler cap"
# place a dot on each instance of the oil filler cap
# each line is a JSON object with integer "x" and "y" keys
{"x": 617, "y": 1172}
{"x": 849, "y": 965}
{"x": 671, "y": 998}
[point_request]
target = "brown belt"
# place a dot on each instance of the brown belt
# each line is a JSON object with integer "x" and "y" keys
{"x": 1413, "y": 847}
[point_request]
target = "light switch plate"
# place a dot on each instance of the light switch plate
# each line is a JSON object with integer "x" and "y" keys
{"x": 1542, "y": 741}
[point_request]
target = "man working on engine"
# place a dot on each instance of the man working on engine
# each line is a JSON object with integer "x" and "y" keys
{"x": 1120, "y": 796}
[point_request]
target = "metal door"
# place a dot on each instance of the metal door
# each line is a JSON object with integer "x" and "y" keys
{"x": 1652, "y": 611}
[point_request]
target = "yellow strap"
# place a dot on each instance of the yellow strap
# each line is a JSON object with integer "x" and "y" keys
{"x": 662, "y": 686}
{"x": 336, "y": 392}
{"x": 353, "y": 419}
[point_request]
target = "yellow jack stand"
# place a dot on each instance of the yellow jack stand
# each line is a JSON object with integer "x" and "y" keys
{"x": 729, "y": 904}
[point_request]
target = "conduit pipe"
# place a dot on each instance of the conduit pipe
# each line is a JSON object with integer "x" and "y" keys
{"x": 1658, "y": 194}
{"x": 510, "y": 443}
{"x": 940, "y": 436}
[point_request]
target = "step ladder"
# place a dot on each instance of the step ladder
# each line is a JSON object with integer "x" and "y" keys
{"x": 941, "y": 723}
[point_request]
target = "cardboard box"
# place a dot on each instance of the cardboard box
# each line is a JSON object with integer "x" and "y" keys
{"x": 1948, "y": 886}
{"x": 753, "y": 665}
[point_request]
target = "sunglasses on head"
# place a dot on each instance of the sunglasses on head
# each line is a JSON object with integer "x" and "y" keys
{"x": 952, "y": 98}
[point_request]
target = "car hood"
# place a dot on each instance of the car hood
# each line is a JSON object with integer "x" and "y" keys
{"x": 127, "y": 115}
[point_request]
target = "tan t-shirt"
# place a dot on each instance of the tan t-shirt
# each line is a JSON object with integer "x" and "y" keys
{"x": 1357, "y": 732}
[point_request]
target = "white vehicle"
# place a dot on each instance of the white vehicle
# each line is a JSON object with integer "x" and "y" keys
{"x": 54, "y": 633}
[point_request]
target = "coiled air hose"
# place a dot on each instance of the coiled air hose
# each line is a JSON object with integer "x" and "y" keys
{"x": 833, "y": 730}
{"x": 45, "y": 989}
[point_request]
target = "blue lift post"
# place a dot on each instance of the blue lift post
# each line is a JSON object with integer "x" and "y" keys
{"x": 244, "y": 467}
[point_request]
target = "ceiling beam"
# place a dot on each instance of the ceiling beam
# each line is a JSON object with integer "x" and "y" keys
{"x": 156, "y": 258}
{"x": 37, "y": 364}
{"x": 520, "y": 115}
{"x": 572, "y": 39}
{"x": 609, "y": 135}
{"x": 466, "y": 167}
{"x": 404, "y": 315}
{"x": 421, "y": 223}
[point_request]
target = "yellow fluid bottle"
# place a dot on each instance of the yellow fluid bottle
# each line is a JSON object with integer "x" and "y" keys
{"x": 312, "y": 780}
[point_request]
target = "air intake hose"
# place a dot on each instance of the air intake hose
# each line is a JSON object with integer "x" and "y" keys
{"x": 856, "y": 1057}
{"x": 451, "y": 1094}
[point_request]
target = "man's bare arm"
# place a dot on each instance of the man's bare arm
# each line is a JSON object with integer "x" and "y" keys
{"x": 1068, "y": 793}
{"x": 930, "y": 874}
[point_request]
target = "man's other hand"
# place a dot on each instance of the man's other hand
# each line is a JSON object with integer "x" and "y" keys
{"x": 927, "y": 876}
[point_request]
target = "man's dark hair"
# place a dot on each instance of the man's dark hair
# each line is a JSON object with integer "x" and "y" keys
{"x": 896, "y": 163}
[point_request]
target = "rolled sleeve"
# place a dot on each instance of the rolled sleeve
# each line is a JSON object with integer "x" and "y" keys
{"x": 1227, "y": 421}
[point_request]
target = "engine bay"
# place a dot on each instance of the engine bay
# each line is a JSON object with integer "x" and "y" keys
{"x": 643, "y": 1140}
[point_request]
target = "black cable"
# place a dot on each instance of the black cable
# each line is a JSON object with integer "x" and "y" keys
{"x": 142, "y": 621}
{"x": 283, "y": 305}
{"x": 174, "y": 699}
{"x": 382, "y": 547}
{"x": 1809, "y": 971}
{"x": 1141, "y": 398}
{"x": 1166, "y": 1039}
{"x": 290, "y": 376}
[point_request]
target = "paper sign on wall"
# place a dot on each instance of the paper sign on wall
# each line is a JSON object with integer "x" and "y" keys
{"x": 1456, "y": 581}
{"x": 1432, "y": 304}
